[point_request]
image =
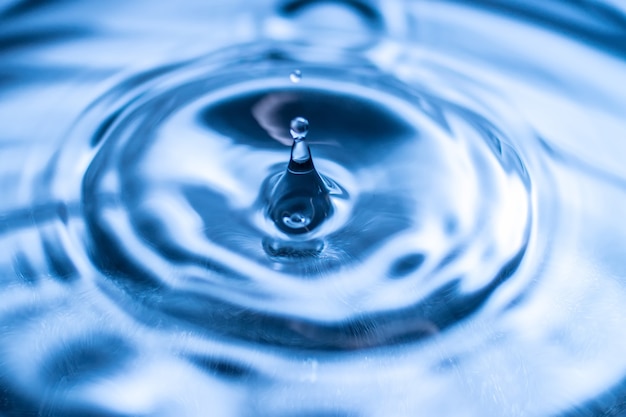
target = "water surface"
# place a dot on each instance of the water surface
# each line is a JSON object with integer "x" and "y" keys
{"x": 447, "y": 240}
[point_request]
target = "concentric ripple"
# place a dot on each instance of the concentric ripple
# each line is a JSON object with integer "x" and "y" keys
{"x": 431, "y": 204}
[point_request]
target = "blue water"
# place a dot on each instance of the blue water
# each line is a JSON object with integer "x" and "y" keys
{"x": 448, "y": 239}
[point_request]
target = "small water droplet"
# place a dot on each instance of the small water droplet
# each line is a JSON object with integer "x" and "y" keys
{"x": 299, "y": 128}
{"x": 295, "y": 76}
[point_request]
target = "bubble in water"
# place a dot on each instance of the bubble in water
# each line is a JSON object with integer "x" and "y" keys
{"x": 295, "y": 76}
{"x": 299, "y": 128}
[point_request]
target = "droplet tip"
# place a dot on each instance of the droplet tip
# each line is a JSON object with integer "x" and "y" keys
{"x": 299, "y": 128}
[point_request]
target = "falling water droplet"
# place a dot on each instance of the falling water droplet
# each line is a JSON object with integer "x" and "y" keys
{"x": 295, "y": 76}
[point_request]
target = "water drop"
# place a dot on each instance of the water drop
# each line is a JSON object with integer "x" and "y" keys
{"x": 295, "y": 76}
{"x": 299, "y": 128}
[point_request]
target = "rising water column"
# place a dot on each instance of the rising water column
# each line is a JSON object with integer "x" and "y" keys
{"x": 299, "y": 201}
